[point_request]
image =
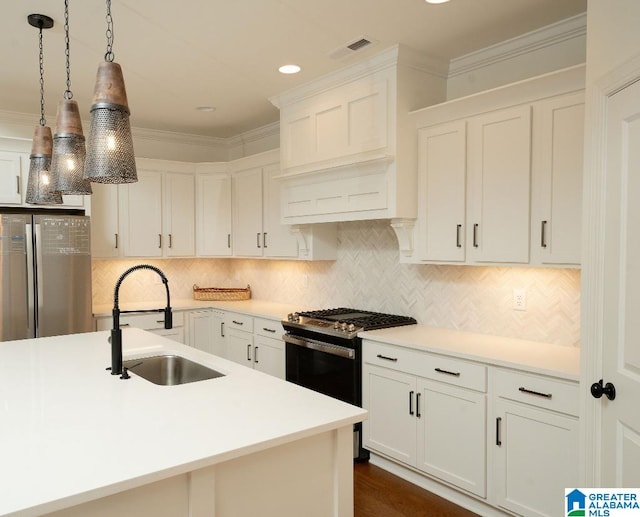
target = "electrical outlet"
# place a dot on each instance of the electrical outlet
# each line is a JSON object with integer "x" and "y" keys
{"x": 519, "y": 300}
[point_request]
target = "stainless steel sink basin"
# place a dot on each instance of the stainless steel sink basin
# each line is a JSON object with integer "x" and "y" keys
{"x": 170, "y": 370}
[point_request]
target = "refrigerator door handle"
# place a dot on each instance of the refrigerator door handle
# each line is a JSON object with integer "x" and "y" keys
{"x": 32, "y": 318}
{"x": 38, "y": 275}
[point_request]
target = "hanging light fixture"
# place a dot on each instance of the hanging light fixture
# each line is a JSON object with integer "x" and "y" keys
{"x": 39, "y": 188}
{"x": 67, "y": 162}
{"x": 110, "y": 156}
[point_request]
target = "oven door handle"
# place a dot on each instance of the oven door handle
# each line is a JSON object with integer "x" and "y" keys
{"x": 327, "y": 348}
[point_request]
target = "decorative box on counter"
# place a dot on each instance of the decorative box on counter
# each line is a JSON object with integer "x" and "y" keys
{"x": 221, "y": 293}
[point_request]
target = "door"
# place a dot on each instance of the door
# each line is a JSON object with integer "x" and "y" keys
{"x": 268, "y": 356}
{"x": 201, "y": 332}
{"x": 247, "y": 213}
{"x": 16, "y": 315}
{"x": 63, "y": 275}
{"x": 141, "y": 209}
{"x": 620, "y": 449}
{"x": 240, "y": 347}
{"x": 214, "y": 215}
{"x": 499, "y": 170}
{"x": 180, "y": 215}
{"x": 277, "y": 237}
{"x": 105, "y": 238}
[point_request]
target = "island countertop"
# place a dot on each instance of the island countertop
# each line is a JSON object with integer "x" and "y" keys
{"x": 70, "y": 432}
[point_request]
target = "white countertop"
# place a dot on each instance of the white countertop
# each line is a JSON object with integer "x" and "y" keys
{"x": 544, "y": 358}
{"x": 259, "y": 308}
{"x": 70, "y": 432}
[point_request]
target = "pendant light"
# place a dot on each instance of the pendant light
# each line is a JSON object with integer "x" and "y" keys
{"x": 110, "y": 156}
{"x": 39, "y": 189}
{"x": 67, "y": 162}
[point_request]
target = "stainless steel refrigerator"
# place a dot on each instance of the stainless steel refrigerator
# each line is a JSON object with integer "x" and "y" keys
{"x": 45, "y": 288}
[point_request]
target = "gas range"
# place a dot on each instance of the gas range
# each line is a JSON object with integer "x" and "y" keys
{"x": 343, "y": 322}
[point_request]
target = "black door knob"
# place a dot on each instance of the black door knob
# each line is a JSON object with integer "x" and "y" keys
{"x": 608, "y": 390}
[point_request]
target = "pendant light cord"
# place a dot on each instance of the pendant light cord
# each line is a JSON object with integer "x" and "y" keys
{"x": 68, "y": 94}
{"x": 43, "y": 121}
{"x": 109, "y": 55}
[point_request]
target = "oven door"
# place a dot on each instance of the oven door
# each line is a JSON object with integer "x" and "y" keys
{"x": 324, "y": 367}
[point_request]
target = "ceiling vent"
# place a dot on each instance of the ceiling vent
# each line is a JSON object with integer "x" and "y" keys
{"x": 351, "y": 47}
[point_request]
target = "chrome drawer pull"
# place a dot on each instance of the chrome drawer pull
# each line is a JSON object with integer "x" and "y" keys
{"x": 440, "y": 370}
{"x": 394, "y": 359}
{"x": 531, "y": 392}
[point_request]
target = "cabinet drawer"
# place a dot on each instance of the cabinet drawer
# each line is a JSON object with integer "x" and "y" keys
{"x": 150, "y": 321}
{"x": 234, "y": 320}
{"x": 427, "y": 365}
{"x": 268, "y": 328}
{"x": 536, "y": 390}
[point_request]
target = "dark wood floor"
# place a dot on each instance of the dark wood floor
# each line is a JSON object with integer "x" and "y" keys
{"x": 379, "y": 493}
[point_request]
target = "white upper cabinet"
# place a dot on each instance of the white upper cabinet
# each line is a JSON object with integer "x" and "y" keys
{"x": 558, "y": 145}
{"x": 499, "y": 165}
{"x": 347, "y": 145}
{"x": 213, "y": 211}
{"x": 10, "y": 178}
{"x": 500, "y": 176}
{"x": 157, "y": 214}
{"x": 247, "y": 213}
{"x": 105, "y": 230}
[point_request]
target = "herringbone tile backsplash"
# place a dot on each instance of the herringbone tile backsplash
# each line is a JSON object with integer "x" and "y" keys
{"x": 368, "y": 275}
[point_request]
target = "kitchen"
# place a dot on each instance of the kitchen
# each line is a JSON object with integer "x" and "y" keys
{"x": 367, "y": 273}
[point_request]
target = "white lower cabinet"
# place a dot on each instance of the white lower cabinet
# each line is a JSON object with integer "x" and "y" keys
{"x": 436, "y": 424}
{"x": 206, "y": 331}
{"x": 535, "y": 446}
{"x": 251, "y": 342}
{"x": 153, "y": 322}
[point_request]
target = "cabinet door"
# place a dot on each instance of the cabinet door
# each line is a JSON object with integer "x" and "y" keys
{"x": 141, "y": 210}
{"x": 536, "y": 458}
{"x": 201, "y": 331}
{"x": 442, "y": 169}
{"x": 105, "y": 238}
{"x": 179, "y": 213}
{"x": 558, "y": 143}
{"x": 278, "y": 239}
{"x": 499, "y": 166}
{"x": 389, "y": 396}
{"x": 452, "y": 435}
{"x": 219, "y": 338}
{"x": 10, "y": 181}
{"x": 268, "y": 356}
{"x": 213, "y": 220}
{"x": 247, "y": 213}
{"x": 240, "y": 347}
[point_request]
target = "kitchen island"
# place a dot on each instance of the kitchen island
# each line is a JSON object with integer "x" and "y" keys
{"x": 75, "y": 440}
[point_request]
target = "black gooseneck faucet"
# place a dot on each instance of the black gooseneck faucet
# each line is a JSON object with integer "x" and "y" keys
{"x": 116, "y": 331}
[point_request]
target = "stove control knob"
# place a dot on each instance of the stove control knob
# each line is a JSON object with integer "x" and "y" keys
{"x": 294, "y": 317}
{"x": 336, "y": 326}
{"x": 352, "y": 327}
{"x": 343, "y": 326}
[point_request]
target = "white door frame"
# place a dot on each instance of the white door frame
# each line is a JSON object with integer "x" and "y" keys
{"x": 591, "y": 327}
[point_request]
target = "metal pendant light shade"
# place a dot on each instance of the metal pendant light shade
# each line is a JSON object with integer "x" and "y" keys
{"x": 39, "y": 185}
{"x": 67, "y": 162}
{"x": 110, "y": 155}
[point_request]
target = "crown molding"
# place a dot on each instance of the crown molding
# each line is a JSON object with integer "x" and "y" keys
{"x": 564, "y": 30}
{"x": 254, "y": 135}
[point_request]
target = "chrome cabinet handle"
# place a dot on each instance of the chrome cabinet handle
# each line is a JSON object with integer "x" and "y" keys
{"x": 498, "y": 438}
{"x": 264, "y": 240}
{"x": 258, "y": 239}
{"x": 522, "y": 389}
{"x": 475, "y": 235}
{"x": 18, "y": 184}
{"x": 159, "y": 240}
{"x": 411, "y": 402}
{"x": 447, "y": 372}
{"x": 222, "y": 329}
{"x": 458, "y": 243}
{"x": 418, "y": 405}
{"x": 116, "y": 236}
{"x": 229, "y": 240}
{"x": 543, "y": 234}
{"x": 170, "y": 240}
{"x": 248, "y": 352}
{"x": 255, "y": 354}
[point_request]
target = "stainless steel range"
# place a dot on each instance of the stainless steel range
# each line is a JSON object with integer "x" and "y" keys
{"x": 324, "y": 353}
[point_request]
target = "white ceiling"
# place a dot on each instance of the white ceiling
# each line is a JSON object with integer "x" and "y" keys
{"x": 225, "y": 53}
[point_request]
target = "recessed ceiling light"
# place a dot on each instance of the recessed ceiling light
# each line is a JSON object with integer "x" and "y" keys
{"x": 436, "y": 1}
{"x": 289, "y": 69}
{"x": 205, "y": 109}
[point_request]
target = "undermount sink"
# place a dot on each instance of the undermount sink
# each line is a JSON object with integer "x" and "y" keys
{"x": 170, "y": 369}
